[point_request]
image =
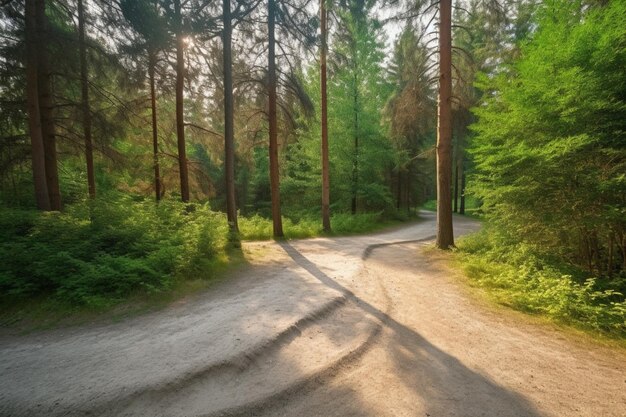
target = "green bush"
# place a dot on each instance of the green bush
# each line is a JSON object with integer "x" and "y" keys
{"x": 521, "y": 276}
{"x": 99, "y": 252}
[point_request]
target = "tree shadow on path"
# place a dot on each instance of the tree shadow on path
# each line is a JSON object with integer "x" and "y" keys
{"x": 445, "y": 385}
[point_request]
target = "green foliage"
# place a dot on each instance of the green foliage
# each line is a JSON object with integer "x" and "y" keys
{"x": 549, "y": 150}
{"x": 99, "y": 252}
{"x": 360, "y": 152}
{"x": 550, "y": 158}
{"x": 526, "y": 278}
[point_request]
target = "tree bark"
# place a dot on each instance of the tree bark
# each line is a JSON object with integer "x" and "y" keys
{"x": 456, "y": 187}
{"x": 445, "y": 237}
{"x": 324, "y": 115}
{"x": 229, "y": 129}
{"x": 399, "y": 190}
{"x": 42, "y": 197}
{"x": 84, "y": 81}
{"x": 155, "y": 133}
{"x": 462, "y": 206}
{"x": 355, "y": 162}
{"x": 180, "y": 122}
{"x": 273, "y": 121}
{"x": 46, "y": 109}
{"x": 407, "y": 187}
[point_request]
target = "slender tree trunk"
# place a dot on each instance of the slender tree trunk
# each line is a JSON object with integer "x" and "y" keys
{"x": 609, "y": 262}
{"x": 622, "y": 241}
{"x": 34, "y": 117}
{"x": 355, "y": 162}
{"x": 456, "y": 187}
{"x": 84, "y": 81}
{"x": 273, "y": 121}
{"x": 324, "y": 115}
{"x": 407, "y": 187}
{"x": 155, "y": 132}
{"x": 229, "y": 129}
{"x": 180, "y": 122}
{"x": 445, "y": 237}
{"x": 399, "y": 190}
{"x": 462, "y": 206}
{"x": 46, "y": 109}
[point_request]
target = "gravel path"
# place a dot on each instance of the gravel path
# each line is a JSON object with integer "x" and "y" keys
{"x": 363, "y": 326}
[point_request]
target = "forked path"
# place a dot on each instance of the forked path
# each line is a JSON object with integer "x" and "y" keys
{"x": 359, "y": 326}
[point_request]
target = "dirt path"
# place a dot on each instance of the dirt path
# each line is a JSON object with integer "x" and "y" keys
{"x": 360, "y": 326}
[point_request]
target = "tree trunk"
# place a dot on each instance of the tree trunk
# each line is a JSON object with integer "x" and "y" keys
{"x": 155, "y": 133}
{"x": 229, "y": 130}
{"x": 609, "y": 262}
{"x": 407, "y": 187}
{"x": 180, "y": 122}
{"x": 456, "y": 188}
{"x": 355, "y": 162}
{"x": 399, "y": 190}
{"x": 324, "y": 115}
{"x": 462, "y": 206}
{"x": 445, "y": 237}
{"x": 42, "y": 197}
{"x": 46, "y": 110}
{"x": 273, "y": 121}
{"x": 84, "y": 82}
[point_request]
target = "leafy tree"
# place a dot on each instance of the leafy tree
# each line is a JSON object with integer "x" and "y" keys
{"x": 358, "y": 95}
{"x": 549, "y": 146}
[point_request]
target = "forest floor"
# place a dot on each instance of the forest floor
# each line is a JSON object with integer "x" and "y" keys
{"x": 375, "y": 325}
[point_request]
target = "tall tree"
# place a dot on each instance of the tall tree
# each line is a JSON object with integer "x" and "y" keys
{"x": 550, "y": 172}
{"x": 180, "y": 85}
{"x": 84, "y": 82}
{"x": 145, "y": 19}
{"x": 324, "y": 121}
{"x": 152, "y": 58}
{"x": 46, "y": 107}
{"x": 445, "y": 237}
{"x": 277, "y": 222}
{"x": 229, "y": 128}
{"x": 358, "y": 53}
{"x": 411, "y": 114}
{"x": 34, "y": 117}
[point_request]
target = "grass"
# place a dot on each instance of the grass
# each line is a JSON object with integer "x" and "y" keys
{"x": 519, "y": 277}
{"x": 307, "y": 226}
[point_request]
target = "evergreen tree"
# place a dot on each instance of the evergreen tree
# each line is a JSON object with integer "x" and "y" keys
{"x": 549, "y": 146}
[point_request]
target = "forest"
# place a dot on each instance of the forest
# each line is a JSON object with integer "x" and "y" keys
{"x": 142, "y": 140}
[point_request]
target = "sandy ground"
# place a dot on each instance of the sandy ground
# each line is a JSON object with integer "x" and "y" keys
{"x": 359, "y": 326}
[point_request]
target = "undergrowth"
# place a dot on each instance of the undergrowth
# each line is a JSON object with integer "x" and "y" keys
{"x": 521, "y": 276}
{"x": 306, "y": 225}
{"x": 100, "y": 252}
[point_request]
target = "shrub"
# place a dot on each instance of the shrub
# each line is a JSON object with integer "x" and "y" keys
{"x": 521, "y": 276}
{"x": 101, "y": 251}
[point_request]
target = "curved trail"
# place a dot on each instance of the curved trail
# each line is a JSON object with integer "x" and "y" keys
{"x": 363, "y": 326}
